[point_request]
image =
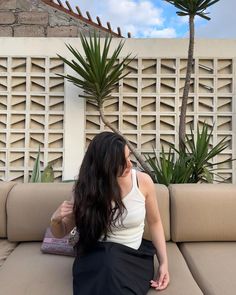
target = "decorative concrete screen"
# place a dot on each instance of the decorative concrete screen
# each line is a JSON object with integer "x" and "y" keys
{"x": 39, "y": 108}
{"x": 32, "y": 115}
{"x": 146, "y": 106}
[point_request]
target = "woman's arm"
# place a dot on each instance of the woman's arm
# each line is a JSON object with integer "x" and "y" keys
{"x": 62, "y": 220}
{"x": 156, "y": 230}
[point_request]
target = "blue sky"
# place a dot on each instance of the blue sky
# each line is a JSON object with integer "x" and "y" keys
{"x": 158, "y": 19}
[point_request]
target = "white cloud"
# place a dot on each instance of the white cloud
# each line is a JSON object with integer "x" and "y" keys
{"x": 164, "y": 33}
{"x": 144, "y": 19}
{"x": 139, "y": 17}
{"x": 129, "y": 11}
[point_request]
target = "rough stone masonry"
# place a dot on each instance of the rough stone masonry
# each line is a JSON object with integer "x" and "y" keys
{"x": 34, "y": 18}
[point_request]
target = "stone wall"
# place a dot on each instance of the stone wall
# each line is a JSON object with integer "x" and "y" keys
{"x": 34, "y": 18}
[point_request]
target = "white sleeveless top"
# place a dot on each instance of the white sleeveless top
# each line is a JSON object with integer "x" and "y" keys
{"x": 131, "y": 231}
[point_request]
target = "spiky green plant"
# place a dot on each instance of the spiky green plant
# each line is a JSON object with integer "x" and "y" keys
{"x": 36, "y": 173}
{"x": 98, "y": 72}
{"x": 192, "y": 165}
{"x": 46, "y": 176}
{"x": 202, "y": 154}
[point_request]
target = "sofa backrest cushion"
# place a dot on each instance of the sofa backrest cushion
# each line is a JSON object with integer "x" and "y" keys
{"x": 5, "y": 188}
{"x": 203, "y": 212}
{"x": 30, "y": 207}
{"x": 162, "y": 195}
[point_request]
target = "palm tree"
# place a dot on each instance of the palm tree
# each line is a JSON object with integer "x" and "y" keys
{"x": 98, "y": 74}
{"x": 190, "y": 8}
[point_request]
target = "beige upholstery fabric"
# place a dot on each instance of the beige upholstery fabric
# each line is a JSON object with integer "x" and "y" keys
{"x": 29, "y": 272}
{"x": 47, "y": 274}
{"x": 213, "y": 266}
{"x": 30, "y": 206}
{"x": 162, "y": 194}
{"x": 181, "y": 280}
{"x": 5, "y": 187}
{"x": 5, "y": 250}
{"x": 203, "y": 212}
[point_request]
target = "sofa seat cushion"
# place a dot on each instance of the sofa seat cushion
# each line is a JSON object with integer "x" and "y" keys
{"x": 27, "y": 271}
{"x": 213, "y": 265}
{"x": 5, "y": 250}
{"x": 181, "y": 280}
{"x": 48, "y": 274}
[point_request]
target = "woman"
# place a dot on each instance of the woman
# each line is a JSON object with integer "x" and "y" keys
{"x": 110, "y": 203}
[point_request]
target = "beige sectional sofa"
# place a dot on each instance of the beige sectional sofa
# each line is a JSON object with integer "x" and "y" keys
{"x": 200, "y": 228}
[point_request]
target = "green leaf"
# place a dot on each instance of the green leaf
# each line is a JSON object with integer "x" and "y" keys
{"x": 36, "y": 173}
{"x": 48, "y": 174}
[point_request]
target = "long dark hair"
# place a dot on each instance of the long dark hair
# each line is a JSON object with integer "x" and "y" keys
{"x": 98, "y": 204}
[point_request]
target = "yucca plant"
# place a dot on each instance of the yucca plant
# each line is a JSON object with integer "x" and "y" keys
{"x": 36, "y": 173}
{"x": 167, "y": 170}
{"x": 98, "y": 73}
{"x": 202, "y": 154}
{"x": 46, "y": 176}
{"x": 192, "y": 165}
{"x": 190, "y": 8}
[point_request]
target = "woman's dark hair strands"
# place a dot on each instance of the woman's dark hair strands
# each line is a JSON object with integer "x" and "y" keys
{"x": 98, "y": 204}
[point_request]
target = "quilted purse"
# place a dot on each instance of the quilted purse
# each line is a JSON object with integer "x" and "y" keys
{"x": 60, "y": 246}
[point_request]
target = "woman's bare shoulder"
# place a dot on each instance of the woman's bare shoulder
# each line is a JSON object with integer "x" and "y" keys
{"x": 145, "y": 183}
{"x": 144, "y": 177}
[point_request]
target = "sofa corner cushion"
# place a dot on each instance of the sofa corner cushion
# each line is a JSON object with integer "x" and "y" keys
{"x": 162, "y": 195}
{"x": 203, "y": 212}
{"x": 5, "y": 188}
{"x": 6, "y": 249}
{"x": 213, "y": 265}
{"x": 30, "y": 206}
{"x": 36, "y": 273}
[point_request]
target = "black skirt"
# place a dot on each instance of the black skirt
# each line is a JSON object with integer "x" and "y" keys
{"x": 114, "y": 269}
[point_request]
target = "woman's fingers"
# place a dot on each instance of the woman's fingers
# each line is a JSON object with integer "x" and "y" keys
{"x": 161, "y": 283}
{"x": 65, "y": 209}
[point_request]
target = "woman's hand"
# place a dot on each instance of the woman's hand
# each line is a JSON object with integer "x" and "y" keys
{"x": 64, "y": 210}
{"x": 62, "y": 221}
{"x": 163, "y": 278}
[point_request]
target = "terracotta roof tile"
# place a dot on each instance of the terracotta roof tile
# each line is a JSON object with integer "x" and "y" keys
{"x": 78, "y": 15}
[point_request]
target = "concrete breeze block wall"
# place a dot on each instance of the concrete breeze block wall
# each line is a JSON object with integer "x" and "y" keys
{"x": 39, "y": 108}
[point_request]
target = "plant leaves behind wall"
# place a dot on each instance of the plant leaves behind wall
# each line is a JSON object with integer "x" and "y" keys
{"x": 48, "y": 174}
{"x": 36, "y": 173}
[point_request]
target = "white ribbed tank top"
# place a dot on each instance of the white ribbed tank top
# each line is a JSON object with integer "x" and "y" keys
{"x": 131, "y": 231}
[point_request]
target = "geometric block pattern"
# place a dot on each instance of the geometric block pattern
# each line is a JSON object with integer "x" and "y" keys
{"x": 31, "y": 115}
{"x": 146, "y": 107}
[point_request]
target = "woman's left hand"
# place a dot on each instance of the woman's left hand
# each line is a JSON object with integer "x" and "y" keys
{"x": 163, "y": 278}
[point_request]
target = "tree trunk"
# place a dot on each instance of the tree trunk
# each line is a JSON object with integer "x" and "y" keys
{"x": 182, "y": 122}
{"x": 131, "y": 147}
